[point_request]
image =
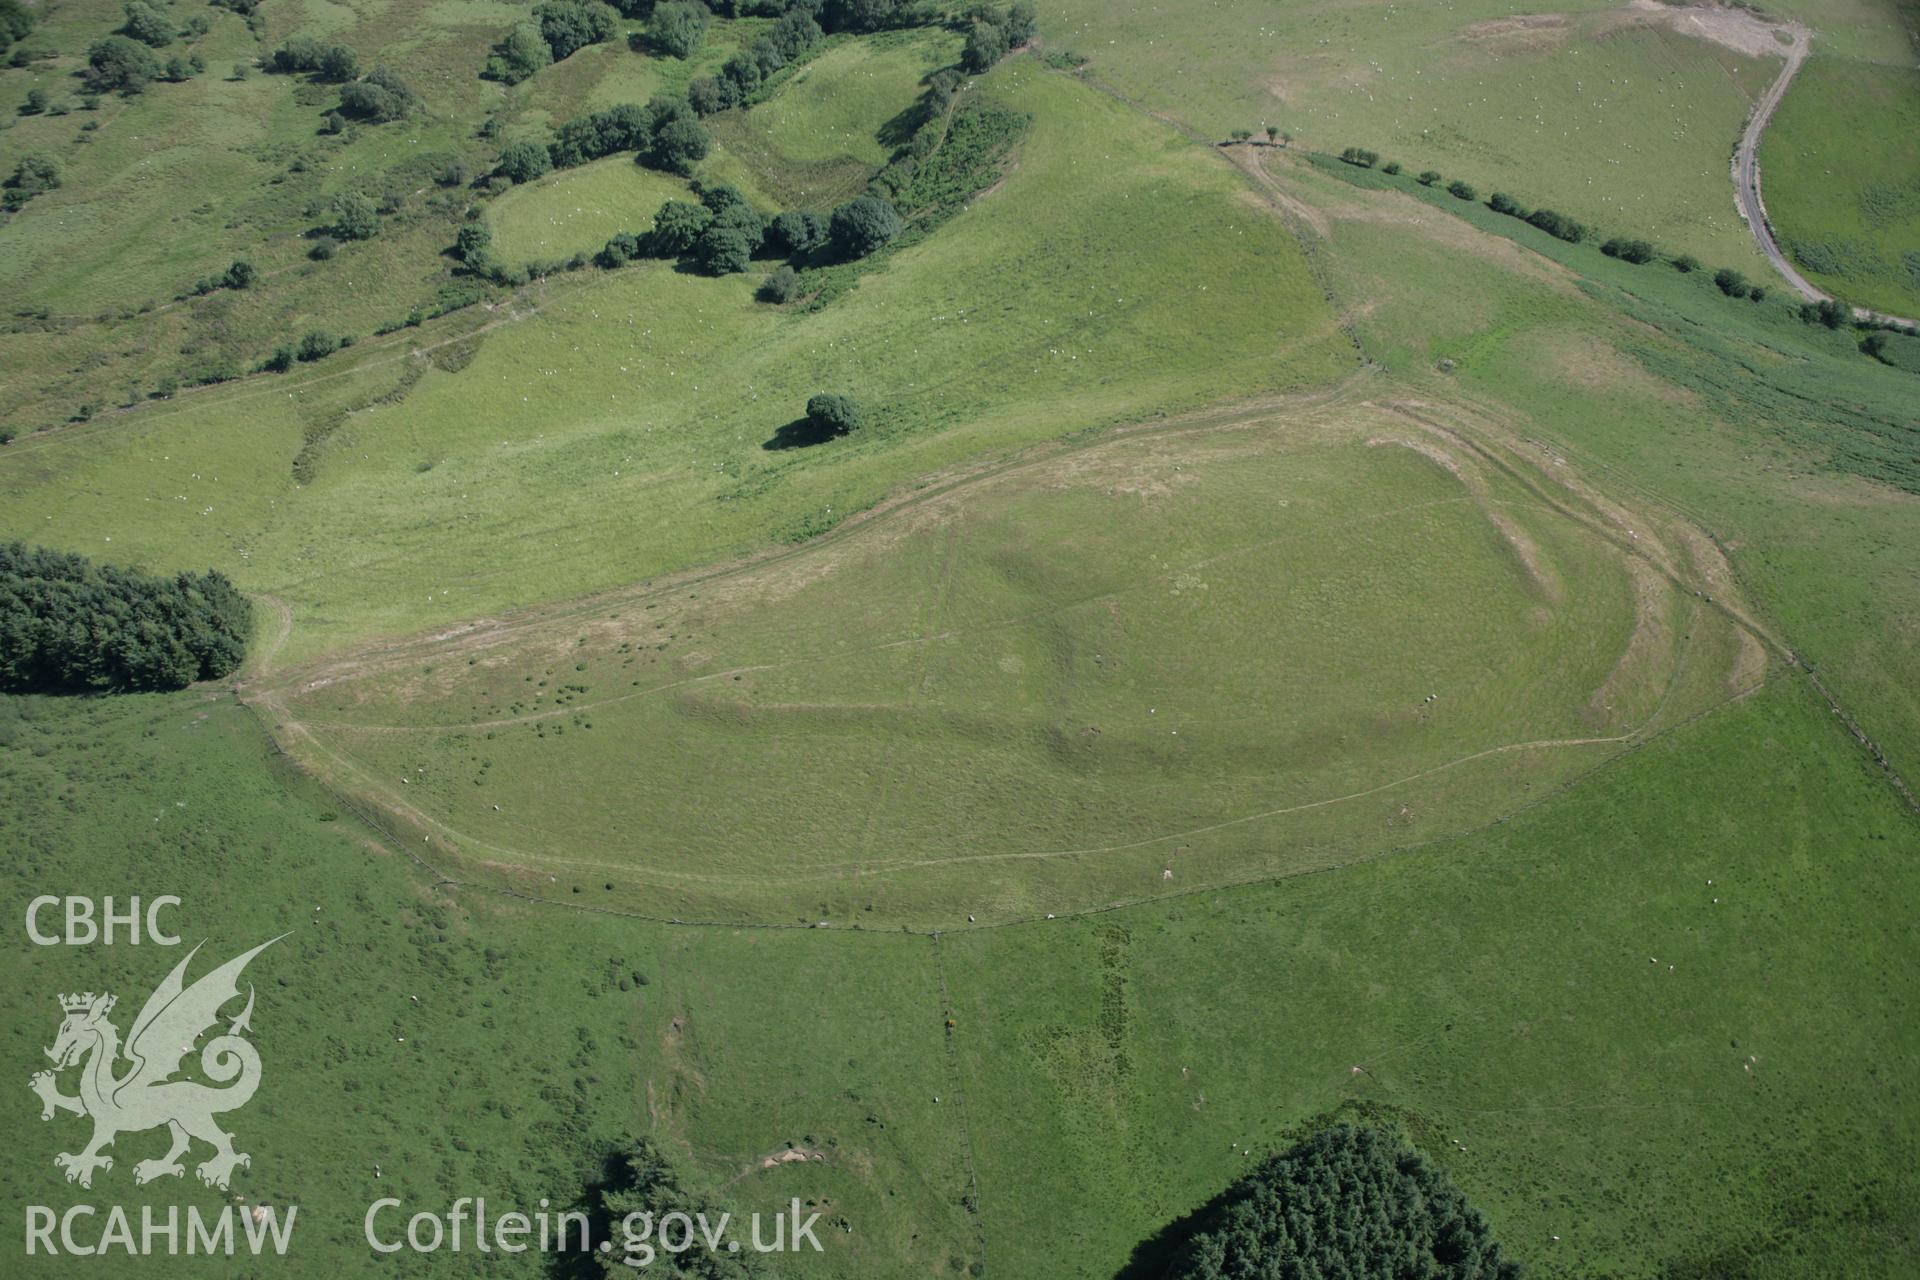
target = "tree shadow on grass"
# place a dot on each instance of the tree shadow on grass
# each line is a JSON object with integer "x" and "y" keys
{"x": 801, "y": 433}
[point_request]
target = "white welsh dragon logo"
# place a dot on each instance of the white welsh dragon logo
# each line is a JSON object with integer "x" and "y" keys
{"x": 147, "y": 1095}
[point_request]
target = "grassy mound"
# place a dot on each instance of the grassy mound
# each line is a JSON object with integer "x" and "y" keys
{"x": 1017, "y": 730}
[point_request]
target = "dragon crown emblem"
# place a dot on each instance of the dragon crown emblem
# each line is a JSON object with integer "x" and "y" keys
{"x": 151, "y": 1092}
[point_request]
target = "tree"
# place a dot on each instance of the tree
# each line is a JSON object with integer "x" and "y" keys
{"x": 471, "y": 242}
{"x": 523, "y": 161}
{"x": 780, "y": 287}
{"x": 569, "y": 25}
{"x": 710, "y": 95}
{"x": 1501, "y": 202}
{"x": 732, "y": 210}
{"x": 147, "y": 25}
{"x": 355, "y": 217}
{"x": 835, "y": 415}
{"x": 677, "y": 227}
{"x": 523, "y": 52}
{"x": 1558, "y": 225}
{"x": 1638, "y": 252}
{"x": 115, "y": 62}
{"x": 627, "y": 127}
{"x": 1361, "y": 157}
{"x": 678, "y": 146}
{"x": 33, "y": 173}
{"x": 862, "y": 225}
{"x": 317, "y": 345}
{"x": 723, "y": 250}
{"x": 67, "y": 624}
{"x": 1730, "y": 282}
{"x": 639, "y": 1185}
{"x": 1462, "y": 190}
{"x": 620, "y": 250}
{"x": 1686, "y": 264}
{"x": 1825, "y": 312}
{"x": 1345, "y": 1202}
{"x": 677, "y": 27}
{"x": 36, "y": 102}
{"x": 1430, "y": 178}
{"x": 986, "y": 45}
{"x": 381, "y": 97}
{"x": 239, "y": 274}
{"x": 337, "y": 63}
{"x": 862, "y": 15}
{"x": 1023, "y": 25}
{"x": 333, "y": 123}
{"x": 798, "y": 232}
{"x": 369, "y": 102}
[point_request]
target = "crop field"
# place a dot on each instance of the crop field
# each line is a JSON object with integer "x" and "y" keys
{"x": 1269, "y": 643}
{"x": 1018, "y": 732}
{"x": 1842, "y": 170}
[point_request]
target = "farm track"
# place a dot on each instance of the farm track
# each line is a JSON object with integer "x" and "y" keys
{"x": 1746, "y": 179}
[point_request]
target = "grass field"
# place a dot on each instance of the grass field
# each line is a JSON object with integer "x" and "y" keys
{"x": 1841, "y": 164}
{"x": 1495, "y": 991}
{"x": 578, "y": 210}
{"x": 1796, "y": 452}
{"x": 1413, "y": 629}
{"x": 1289, "y": 643}
{"x": 609, "y": 457}
{"x": 1606, "y": 113}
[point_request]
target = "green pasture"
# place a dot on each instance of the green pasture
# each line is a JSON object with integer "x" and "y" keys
{"x": 1794, "y": 450}
{"x": 1405, "y": 638}
{"x": 1840, "y": 167}
{"x": 611, "y": 427}
{"x": 1603, "y": 113}
{"x": 1507, "y": 997}
{"x": 578, "y": 210}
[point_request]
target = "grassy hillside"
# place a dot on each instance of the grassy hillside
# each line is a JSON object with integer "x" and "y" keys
{"x": 608, "y": 453}
{"x": 1841, "y": 166}
{"x": 1735, "y": 1110}
{"x": 1796, "y": 452}
{"x": 1412, "y": 629}
{"x": 1608, "y": 114}
{"x": 1288, "y": 642}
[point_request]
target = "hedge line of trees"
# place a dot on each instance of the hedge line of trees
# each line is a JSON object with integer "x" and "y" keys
{"x": 1638, "y": 252}
{"x": 1347, "y": 1201}
{"x": 723, "y": 233}
{"x": 67, "y": 624}
{"x": 743, "y": 75}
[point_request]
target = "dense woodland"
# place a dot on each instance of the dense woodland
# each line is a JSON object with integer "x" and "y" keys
{"x": 67, "y": 624}
{"x": 1348, "y": 1203}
